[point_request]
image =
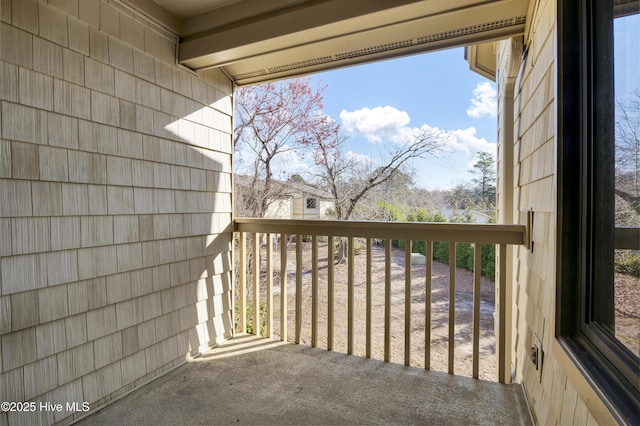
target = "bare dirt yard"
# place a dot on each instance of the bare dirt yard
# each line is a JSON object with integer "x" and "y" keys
{"x": 439, "y": 309}
{"x": 627, "y": 311}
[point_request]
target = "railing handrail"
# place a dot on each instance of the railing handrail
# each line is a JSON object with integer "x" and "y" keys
{"x": 487, "y": 233}
{"x": 627, "y": 237}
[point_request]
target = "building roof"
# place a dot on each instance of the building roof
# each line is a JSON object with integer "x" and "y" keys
{"x": 287, "y": 189}
{"x": 480, "y": 217}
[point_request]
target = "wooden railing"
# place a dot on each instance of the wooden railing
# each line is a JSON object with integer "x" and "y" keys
{"x": 264, "y": 230}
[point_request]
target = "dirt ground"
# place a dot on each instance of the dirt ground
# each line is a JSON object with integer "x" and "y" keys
{"x": 627, "y": 311}
{"x": 439, "y": 310}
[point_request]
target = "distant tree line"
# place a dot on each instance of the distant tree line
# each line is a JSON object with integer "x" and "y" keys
{"x": 440, "y": 250}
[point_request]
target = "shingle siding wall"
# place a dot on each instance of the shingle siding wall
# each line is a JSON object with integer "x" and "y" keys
{"x": 115, "y": 205}
{"x": 553, "y": 399}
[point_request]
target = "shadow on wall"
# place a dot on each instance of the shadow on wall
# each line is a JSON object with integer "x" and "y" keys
{"x": 207, "y": 209}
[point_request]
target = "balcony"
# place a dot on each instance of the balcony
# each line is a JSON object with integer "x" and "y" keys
{"x": 306, "y": 364}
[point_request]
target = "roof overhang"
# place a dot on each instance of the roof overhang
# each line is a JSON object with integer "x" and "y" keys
{"x": 482, "y": 59}
{"x": 258, "y": 40}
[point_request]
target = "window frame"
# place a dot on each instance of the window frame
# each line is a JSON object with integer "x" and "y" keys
{"x": 585, "y": 169}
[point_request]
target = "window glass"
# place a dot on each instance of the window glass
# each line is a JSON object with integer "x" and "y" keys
{"x": 312, "y": 203}
{"x": 626, "y": 319}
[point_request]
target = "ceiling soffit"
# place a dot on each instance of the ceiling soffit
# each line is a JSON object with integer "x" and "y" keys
{"x": 186, "y": 9}
{"x": 298, "y": 61}
{"x": 259, "y": 40}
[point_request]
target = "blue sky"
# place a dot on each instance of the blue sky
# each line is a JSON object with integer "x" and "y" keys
{"x": 380, "y": 102}
{"x": 627, "y": 59}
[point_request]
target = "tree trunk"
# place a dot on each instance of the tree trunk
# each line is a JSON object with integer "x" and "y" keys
{"x": 634, "y": 202}
{"x": 342, "y": 251}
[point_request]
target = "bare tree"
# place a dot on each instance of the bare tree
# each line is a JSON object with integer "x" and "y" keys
{"x": 272, "y": 119}
{"x": 398, "y": 193}
{"x": 627, "y": 166}
{"x": 349, "y": 178}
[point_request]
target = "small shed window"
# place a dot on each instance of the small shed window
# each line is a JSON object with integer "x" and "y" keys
{"x": 312, "y": 203}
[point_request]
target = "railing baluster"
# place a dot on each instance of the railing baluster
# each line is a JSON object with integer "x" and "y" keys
{"x": 269, "y": 285}
{"x": 477, "y": 269}
{"x": 502, "y": 313}
{"x": 242, "y": 296}
{"x": 256, "y": 284}
{"x": 387, "y": 300}
{"x": 350, "y": 295}
{"x": 314, "y": 291}
{"x": 407, "y": 302}
{"x": 368, "y": 303}
{"x": 452, "y": 301}
{"x": 427, "y": 303}
{"x": 330, "y": 247}
{"x": 284, "y": 306}
{"x": 298, "y": 287}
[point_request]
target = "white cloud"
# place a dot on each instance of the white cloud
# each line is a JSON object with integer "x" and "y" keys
{"x": 390, "y": 124}
{"x": 377, "y": 124}
{"x": 483, "y": 101}
{"x": 465, "y": 140}
{"x": 361, "y": 159}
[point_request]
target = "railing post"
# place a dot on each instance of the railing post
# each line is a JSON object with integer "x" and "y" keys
{"x": 283, "y": 288}
{"x": 269, "y": 330}
{"x": 504, "y": 369}
{"x": 314, "y": 291}
{"x": 256, "y": 284}
{"x": 427, "y": 303}
{"x": 242, "y": 293}
{"x": 477, "y": 269}
{"x": 387, "y": 300}
{"x": 330, "y": 300}
{"x": 368, "y": 302}
{"x": 407, "y": 302}
{"x": 298, "y": 288}
{"x": 452, "y": 303}
{"x": 350, "y": 298}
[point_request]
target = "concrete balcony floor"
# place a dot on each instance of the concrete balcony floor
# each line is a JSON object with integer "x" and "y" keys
{"x": 250, "y": 380}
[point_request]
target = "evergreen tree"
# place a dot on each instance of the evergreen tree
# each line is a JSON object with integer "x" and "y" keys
{"x": 485, "y": 171}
